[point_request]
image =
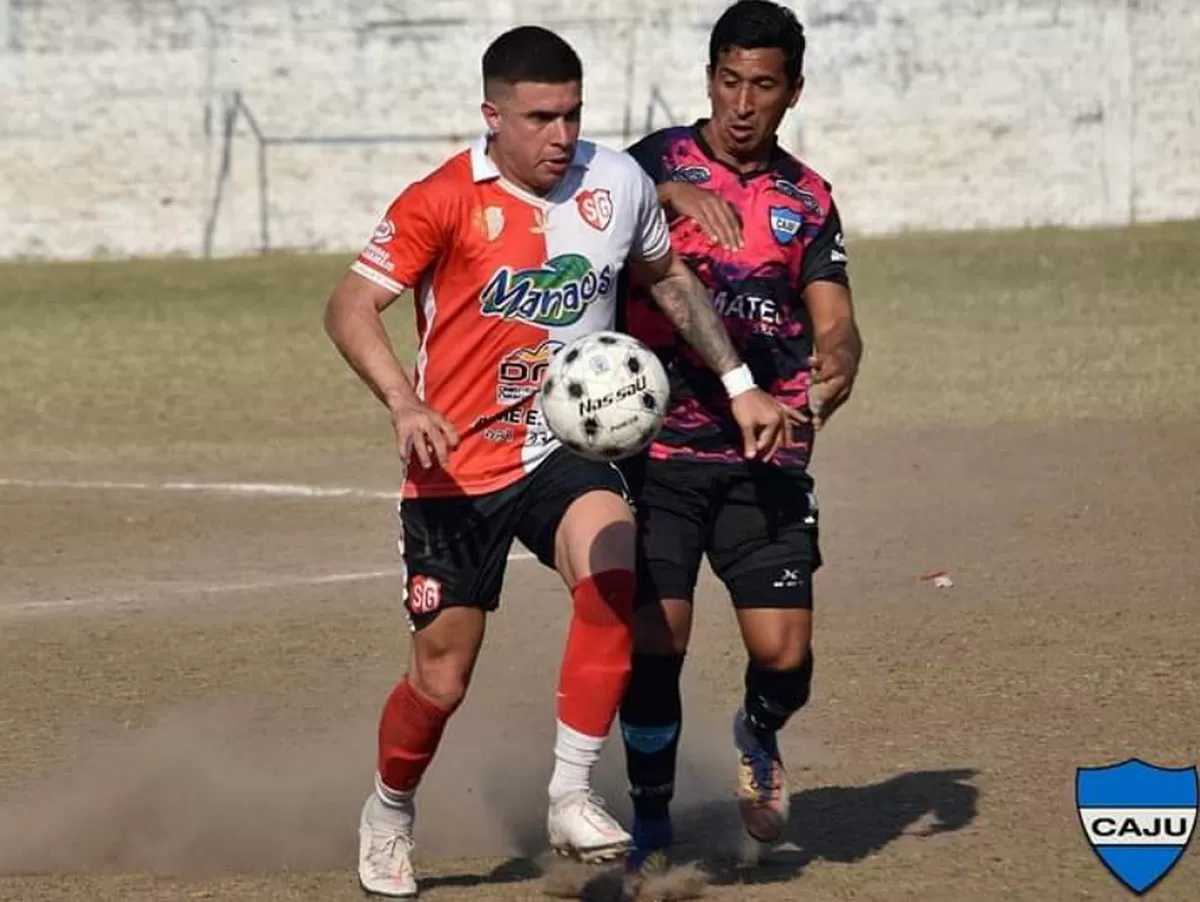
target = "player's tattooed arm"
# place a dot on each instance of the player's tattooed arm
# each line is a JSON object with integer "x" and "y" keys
{"x": 766, "y": 424}
{"x": 683, "y": 299}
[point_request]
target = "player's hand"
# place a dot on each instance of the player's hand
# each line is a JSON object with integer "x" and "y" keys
{"x": 766, "y": 424}
{"x": 422, "y": 431}
{"x": 833, "y": 379}
{"x": 710, "y": 211}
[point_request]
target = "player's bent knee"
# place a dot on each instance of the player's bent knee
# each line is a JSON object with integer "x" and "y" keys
{"x": 597, "y": 534}
{"x": 444, "y": 682}
{"x": 784, "y": 648}
{"x": 776, "y": 638}
{"x": 783, "y": 658}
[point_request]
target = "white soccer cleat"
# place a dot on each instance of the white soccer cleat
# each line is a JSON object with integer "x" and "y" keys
{"x": 385, "y": 846}
{"x": 580, "y": 827}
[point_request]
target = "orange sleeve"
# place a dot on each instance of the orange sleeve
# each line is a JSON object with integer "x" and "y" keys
{"x": 408, "y": 240}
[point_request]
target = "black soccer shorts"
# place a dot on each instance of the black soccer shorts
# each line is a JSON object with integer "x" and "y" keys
{"x": 456, "y": 549}
{"x": 757, "y": 523}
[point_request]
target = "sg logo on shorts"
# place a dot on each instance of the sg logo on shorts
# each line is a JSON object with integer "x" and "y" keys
{"x": 424, "y": 594}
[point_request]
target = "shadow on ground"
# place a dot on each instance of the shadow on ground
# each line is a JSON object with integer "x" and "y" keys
{"x": 843, "y": 824}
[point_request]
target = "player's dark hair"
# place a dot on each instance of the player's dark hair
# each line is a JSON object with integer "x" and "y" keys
{"x": 760, "y": 24}
{"x": 530, "y": 53}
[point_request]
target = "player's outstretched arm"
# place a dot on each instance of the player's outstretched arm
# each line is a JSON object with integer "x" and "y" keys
{"x": 765, "y": 423}
{"x": 355, "y": 325}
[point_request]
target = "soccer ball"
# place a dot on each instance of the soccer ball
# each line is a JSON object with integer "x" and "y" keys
{"x": 604, "y": 395}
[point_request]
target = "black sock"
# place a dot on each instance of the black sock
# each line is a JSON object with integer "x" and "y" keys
{"x": 651, "y": 712}
{"x": 773, "y": 696}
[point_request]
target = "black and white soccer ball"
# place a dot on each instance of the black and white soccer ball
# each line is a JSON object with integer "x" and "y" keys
{"x": 604, "y": 395}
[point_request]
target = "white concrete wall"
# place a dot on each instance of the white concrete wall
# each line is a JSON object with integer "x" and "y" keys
{"x": 924, "y": 113}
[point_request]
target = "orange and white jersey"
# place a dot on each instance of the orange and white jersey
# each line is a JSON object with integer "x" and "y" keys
{"x": 502, "y": 279}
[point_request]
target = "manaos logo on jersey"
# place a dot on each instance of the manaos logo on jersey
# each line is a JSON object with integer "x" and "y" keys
{"x": 596, "y": 207}
{"x": 521, "y": 372}
{"x": 554, "y": 294}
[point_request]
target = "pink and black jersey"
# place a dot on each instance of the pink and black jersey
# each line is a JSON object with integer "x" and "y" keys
{"x": 792, "y": 238}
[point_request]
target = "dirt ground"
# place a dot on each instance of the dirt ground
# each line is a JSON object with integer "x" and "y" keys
{"x": 191, "y": 680}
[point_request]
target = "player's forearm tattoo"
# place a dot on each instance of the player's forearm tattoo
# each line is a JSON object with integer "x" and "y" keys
{"x": 684, "y": 301}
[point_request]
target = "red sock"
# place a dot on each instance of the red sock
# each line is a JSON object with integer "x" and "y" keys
{"x": 597, "y": 660}
{"x": 409, "y": 731}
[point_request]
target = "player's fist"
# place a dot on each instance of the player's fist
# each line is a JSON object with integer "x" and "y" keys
{"x": 833, "y": 377}
{"x": 715, "y": 216}
{"x": 422, "y": 431}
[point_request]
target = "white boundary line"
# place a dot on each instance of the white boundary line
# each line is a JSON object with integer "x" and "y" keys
{"x": 193, "y": 589}
{"x": 276, "y": 489}
{"x": 117, "y": 600}
{"x": 273, "y": 489}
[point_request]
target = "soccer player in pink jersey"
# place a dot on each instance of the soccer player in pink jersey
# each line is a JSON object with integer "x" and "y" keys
{"x": 763, "y": 232}
{"x": 512, "y": 249}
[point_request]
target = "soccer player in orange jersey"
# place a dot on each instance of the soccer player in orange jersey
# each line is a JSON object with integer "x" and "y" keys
{"x": 512, "y": 248}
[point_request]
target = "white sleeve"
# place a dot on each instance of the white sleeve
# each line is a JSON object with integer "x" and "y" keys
{"x": 652, "y": 240}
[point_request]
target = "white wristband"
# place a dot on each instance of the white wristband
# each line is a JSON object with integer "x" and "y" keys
{"x": 738, "y": 381}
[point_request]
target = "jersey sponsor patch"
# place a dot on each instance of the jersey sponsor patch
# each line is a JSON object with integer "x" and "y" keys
{"x": 838, "y": 253}
{"x": 805, "y": 197}
{"x": 379, "y": 257}
{"x": 750, "y": 307}
{"x": 554, "y": 295}
{"x": 384, "y": 232}
{"x": 693, "y": 175}
{"x": 521, "y": 372}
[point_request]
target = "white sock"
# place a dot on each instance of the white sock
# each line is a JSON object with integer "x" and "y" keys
{"x": 400, "y": 805}
{"x": 574, "y": 756}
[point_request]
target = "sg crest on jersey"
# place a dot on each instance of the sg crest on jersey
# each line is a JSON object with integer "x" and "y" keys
{"x": 785, "y": 224}
{"x": 596, "y": 207}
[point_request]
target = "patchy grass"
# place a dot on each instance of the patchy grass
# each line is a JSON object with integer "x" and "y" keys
{"x": 972, "y": 329}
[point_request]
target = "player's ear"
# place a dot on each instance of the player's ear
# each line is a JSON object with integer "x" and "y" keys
{"x": 491, "y": 116}
{"x": 708, "y": 73}
{"x": 796, "y": 92}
